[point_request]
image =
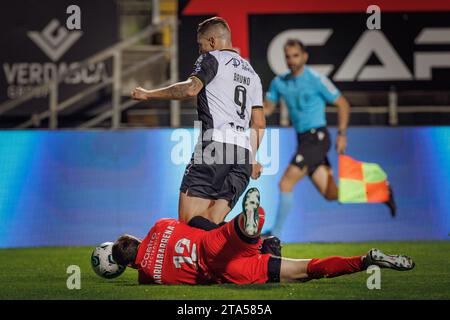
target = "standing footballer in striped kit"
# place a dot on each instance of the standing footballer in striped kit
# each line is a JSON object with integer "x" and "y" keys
{"x": 229, "y": 99}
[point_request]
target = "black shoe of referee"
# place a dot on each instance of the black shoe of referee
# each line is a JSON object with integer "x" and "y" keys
{"x": 391, "y": 203}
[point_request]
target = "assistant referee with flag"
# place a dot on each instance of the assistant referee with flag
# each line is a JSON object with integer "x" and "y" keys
{"x": 306, "y": 94}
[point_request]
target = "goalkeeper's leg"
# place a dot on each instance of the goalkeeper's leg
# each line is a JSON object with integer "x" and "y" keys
{"x": 307, "y": 269}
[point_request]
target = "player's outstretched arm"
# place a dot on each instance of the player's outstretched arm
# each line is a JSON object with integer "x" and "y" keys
{"x": 177, "y": 91}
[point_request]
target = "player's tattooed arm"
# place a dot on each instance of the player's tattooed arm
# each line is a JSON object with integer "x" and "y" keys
{"x": 182, "y": 90}
{"x": 178, "y": 91}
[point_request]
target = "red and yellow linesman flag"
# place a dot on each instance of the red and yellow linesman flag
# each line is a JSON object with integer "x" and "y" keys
{"x": 361, "y": 181}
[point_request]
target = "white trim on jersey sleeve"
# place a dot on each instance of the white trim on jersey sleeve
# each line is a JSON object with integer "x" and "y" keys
{"x": 257, "y": 96}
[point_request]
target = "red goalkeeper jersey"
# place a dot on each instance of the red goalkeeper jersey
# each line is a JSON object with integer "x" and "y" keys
{"x": 176, "y": 253}
{"x": 169, "y": 255}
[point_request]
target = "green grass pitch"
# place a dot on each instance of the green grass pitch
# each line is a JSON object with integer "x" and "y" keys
{"x": 40, "y": 273}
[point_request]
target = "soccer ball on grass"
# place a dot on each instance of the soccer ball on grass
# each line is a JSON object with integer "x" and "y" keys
{"x": 103, "y": 263}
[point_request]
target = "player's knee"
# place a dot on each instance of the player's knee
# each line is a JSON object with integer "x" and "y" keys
{"x": 295, "y": 275}
{"x": 285, "y": 185}
{"x": 183, "y": 217}
{"x": 216, "y": 219}
{"x": 331, "y": 194}
{"x": 293, "y": 270}
{"x": 330, "y": 197}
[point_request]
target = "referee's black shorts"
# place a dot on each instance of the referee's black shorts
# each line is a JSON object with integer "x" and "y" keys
{"x": 217, "y": 171}
{"x": 313, "y": 146}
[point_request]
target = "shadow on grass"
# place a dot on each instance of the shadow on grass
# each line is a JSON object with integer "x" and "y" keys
{"x": 128, "y": 284}
{"x": 229, "y": 286}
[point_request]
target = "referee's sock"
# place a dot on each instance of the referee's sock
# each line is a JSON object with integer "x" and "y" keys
{"x": 284, "y": 207}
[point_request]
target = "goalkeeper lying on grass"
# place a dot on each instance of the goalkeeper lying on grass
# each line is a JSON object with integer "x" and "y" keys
{"x": 177, "y": 253}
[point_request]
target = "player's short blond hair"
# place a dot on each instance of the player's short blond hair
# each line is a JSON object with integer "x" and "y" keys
{"x": 205, "y": 26}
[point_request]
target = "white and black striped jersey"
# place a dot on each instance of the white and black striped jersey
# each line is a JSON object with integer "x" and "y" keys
{"x": 231, "y": 88}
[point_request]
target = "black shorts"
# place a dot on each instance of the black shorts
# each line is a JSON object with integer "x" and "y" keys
{"x": 217, "y": 171}
{"x": 274, "y": 269}
{"x": 312, "y": 149}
